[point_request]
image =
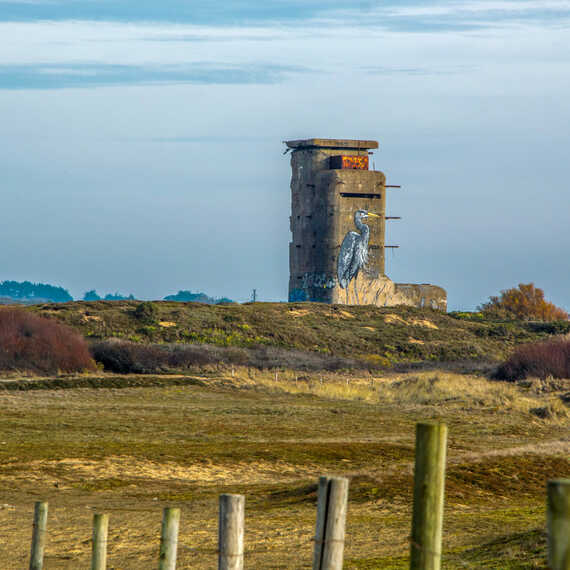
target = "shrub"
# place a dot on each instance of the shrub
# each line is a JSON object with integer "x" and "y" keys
{"x": 273, "y": 357}
{"x": 37, "y": 344}
{"x": 145, "y": 312}
{"x": 524, "y": 303}
{"x": 541, "y": 359}
{"x": 129, "y": 357}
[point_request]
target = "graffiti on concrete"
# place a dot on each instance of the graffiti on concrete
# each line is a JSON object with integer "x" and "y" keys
{"x": 320, "y": 280}
{"x": 353, "y": 254}
{"x": 297, "y": 296}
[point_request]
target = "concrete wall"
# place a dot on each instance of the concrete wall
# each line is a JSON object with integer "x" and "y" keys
{"x": 321, "y": 216}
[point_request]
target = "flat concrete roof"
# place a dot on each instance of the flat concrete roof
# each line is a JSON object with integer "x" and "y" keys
{"x": 332, "y": 143}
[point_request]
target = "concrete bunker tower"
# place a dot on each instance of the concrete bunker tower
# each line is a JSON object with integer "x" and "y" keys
{"x": 337, "y": 202}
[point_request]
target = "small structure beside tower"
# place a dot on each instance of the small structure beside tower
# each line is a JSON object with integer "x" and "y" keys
{"x": 338, "y": 225}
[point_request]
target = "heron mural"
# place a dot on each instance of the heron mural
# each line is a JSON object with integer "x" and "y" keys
{"x": 353, "y": 254}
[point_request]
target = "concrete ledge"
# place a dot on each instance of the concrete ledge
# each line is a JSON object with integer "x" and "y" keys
{"x": 331, "y": 143}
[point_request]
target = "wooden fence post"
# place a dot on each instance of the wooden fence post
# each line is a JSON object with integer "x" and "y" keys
{"x": 558, "y": 524}
{"x": 331, "y": 519}
{"x": 39, "y": 536}
{"x": 230, "y": 532}
{"x": 322, "y": 499}
{"x": 99, "y": 549}
{"x": 429, "y": 478}
{"x": 169, "y": 539}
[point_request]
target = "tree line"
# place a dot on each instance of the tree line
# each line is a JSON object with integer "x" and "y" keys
{"x": 28, "y": 292}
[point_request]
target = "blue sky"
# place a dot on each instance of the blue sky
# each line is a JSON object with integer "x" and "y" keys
{"x": 141, "y": 141}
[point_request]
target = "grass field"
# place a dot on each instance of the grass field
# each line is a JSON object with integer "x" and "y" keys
{"x": 182, "y": 441}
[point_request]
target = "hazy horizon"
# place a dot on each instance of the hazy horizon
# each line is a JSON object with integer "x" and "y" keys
{"x": 142, "y": 142}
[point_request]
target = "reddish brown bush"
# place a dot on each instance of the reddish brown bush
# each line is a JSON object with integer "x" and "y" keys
{"x": 541, "y": 359}
{"x": 37, "y": 344}
{"x": 524, "y": 303}
{"x": 129, "y": 357}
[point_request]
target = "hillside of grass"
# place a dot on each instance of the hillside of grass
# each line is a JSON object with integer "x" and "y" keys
{"x": 378, "y": 336}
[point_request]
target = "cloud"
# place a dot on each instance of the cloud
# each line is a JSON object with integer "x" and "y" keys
{"x": 424, "y": 71}
{"x": 223, "y": 12}
{"x": 411, "y": 16}
{"x": 81, "y": 75}
{"x": 483, "y": 7}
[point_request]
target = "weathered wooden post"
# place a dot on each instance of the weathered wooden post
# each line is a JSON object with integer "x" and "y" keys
{"x": 99, "y": 550}
{"x": 39, "y": 536}
{"x": 332, "y": 500}
{"x": 169, "y": 539}
{"x": 230, "y": 532}
{"x": 429, "y": 478}
{"x": 558, "y": 524}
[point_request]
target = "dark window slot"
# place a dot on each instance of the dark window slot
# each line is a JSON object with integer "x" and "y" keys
{"x": 360, "y": 195}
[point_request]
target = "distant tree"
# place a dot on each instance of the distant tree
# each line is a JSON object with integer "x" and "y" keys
{"x": 189, "y": 297}
{"x": 40, "y": 292}
{"x": 91, "y": 296}
{"x": 116, "y": 296}
{"x": 525, "y": 302}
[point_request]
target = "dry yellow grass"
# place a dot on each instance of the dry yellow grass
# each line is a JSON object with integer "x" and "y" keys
{"x": 396, "y": 319}
{"x": 131, "y": 451}
{"x": 461, "y": 391}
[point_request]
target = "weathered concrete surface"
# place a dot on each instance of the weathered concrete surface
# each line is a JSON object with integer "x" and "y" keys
{"x": 353, "y": 144}
{"x": 423, "y": 295}
{"x": 323, "y": 203}
{"x": 383, "y": 292}
{"x": 321, "y": 216}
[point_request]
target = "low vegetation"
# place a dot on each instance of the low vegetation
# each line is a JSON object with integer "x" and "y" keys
{"x": 35, "y": 344}
{"x": 541, "y": 360}
{"x": 132, "y": 451}
{"x": 127, "y": 357}
{"x": 386, "y": 337}
{"x": 192, "y": 400}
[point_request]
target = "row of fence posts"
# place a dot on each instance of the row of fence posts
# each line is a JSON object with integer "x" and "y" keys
{"x": 332, "y": 498}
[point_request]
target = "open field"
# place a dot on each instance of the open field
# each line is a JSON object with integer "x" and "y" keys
{"x": 181, "y": 441}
